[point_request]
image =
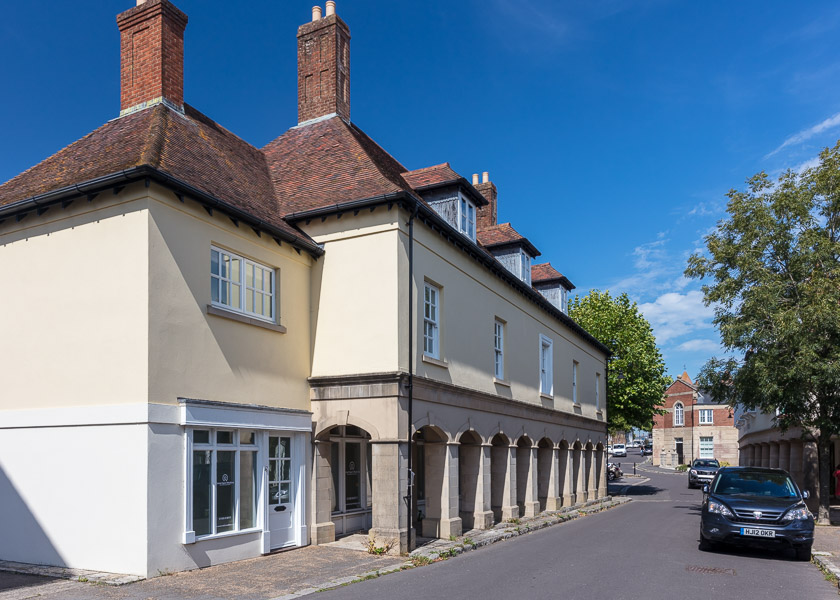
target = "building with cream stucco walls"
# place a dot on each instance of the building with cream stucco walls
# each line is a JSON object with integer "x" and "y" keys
{"x": 693, "y": 426}
{"x": 255, "y": 347}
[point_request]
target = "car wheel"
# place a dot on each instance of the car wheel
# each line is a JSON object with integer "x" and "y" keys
{"x": 706, "y": 545}
{"x": 803, "y": 553}
{"x": 691, "y": 487}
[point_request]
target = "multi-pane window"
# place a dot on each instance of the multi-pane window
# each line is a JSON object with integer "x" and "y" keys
{"x": 564, "y": 299}
{"x": 499, "y": 349}
{"x": 679, "y": 417}
{"x": 546, "y": 369}
{"x": 525, "y": 265}
{"x": 574, "y": 381}
{"x": 597, "y": 391}
{"x": 431, "y": 323}
{"x": 466, "y": 218}
{"x": 224, "y": 481}
{"x": 707, "y": 447}
{"x": 279, "y": 470}
{"x": 242, "y": 285}
{"x": 706, "y": 416}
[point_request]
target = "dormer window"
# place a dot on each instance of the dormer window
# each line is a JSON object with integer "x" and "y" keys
{"x": 564, "y": 299}
{"x": 466, "y": 218}
{"x": 525, "y": 266}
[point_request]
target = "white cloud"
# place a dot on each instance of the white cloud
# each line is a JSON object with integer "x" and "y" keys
{"x": 699, "y": 345}
{"x": 673, "y": 314}
{"x": 808, "y": 164}
{"x": 807, "y": 134}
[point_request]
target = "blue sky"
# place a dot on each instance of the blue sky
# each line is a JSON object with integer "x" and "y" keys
{"x": 613, "y": 129}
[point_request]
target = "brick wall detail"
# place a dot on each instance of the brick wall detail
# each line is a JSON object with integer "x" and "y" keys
{"x": 151, "y": 54}
{"x": 323, "y": 69}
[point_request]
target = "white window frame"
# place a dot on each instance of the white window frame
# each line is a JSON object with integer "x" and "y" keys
{"x": 499, "y": 349}
{"x": 525, "y": 266}
{"x": 214, "y": 447}
{"x": 707, "y": 446}
{"x": 246, "y": 264}
{"x": 466, "y": 217}
{"x": 575, "y": 382}
{"x": 564, "y": 299}
{"x": 679, "y": 415}
{"x": 431, "y": 320}
{"x": 598, "y": 392}
{"x": 707, "y": 416}
{"x": 546, "y": 356}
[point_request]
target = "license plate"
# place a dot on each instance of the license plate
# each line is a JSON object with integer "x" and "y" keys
{"x": 754, "y": 532}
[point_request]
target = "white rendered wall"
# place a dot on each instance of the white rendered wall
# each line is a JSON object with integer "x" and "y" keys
{"x": 71, "y": 496}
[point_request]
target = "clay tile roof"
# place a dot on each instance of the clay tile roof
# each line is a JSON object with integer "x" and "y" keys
{"x": 330, "y": 162}
{"x": 545, "y": 273}
{"x": 504, "y": 235}
{"x": 433, "y": 175}
{"x": 189, "y": 147}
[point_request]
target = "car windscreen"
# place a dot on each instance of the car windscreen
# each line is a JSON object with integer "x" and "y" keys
{"x": 751, "y": 483}
{"x": 706, "y": 463}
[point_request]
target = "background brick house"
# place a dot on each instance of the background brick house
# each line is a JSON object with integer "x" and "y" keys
{"x": 695, "y": 426}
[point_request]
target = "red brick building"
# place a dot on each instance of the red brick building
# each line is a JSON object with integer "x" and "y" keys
{"x": 695, "y": 426}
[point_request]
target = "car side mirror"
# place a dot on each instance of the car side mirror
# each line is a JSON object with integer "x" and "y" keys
{"x": 706, "y": 489}
{"x": 806, "y": 494}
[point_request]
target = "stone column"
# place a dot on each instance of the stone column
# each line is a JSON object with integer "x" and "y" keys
{"x": 580, "y": 491}
{"x": 796, "y": 462}
{"x": 566, "y": 474}
{"x": 322, "y": 497}
{"x": 554, "y": 498}
{"x": 591, "y": 492}
{"x": 784, "y": 455}
{"x": 450, "y": 522}
{"x": 483, "y": 516}
{"x": 510, "y": 510}
{"x": 602, "y": 474}
{"x": 765, "y": 455}
{"x": 774, "y": 455}
{"x": 811, "y": 473}
{"x": 390, "y": 487}
{"x": 531, "y": 498}
{"x": 743, "y": 457}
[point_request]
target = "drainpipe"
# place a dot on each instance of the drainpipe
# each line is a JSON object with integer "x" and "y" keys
{"x": 410, "y": 473}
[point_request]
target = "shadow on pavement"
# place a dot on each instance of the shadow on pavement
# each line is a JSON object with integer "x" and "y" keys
{"x": 641, "y": 490}
{"x": 781, "y": 553}
{"x": 16, "y": 581}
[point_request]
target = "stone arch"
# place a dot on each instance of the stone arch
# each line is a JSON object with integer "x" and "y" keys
{"x": 430, "y": 421}
{"x": 325, "y": 425}
{"x": 435, "y": 464}
{"x": 564, "y": 476}
{"x": 588, "y": 470}
{"x": 600, "y": 473}
{"x": 474, "y": 501}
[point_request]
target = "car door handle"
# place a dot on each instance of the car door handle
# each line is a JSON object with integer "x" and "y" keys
{"x": 280, "y": 508}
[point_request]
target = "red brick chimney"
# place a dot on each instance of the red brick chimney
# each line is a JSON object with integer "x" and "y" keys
{"x": 151, "y": 55}
{"x": 323, "y": 66}
{"x": 487, "y": 216}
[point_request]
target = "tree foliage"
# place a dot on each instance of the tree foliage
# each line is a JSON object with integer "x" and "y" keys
{"x": 772, "y": 269}
{"x": 636, "y": 381}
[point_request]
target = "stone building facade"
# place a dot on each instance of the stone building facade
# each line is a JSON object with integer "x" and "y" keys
{"x": 694, "y": 426}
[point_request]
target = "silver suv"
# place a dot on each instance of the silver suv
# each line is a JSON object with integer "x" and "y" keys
{"x": 702, "y": 471}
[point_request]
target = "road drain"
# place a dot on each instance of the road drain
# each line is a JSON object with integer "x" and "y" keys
{"x": 709, "y": 570}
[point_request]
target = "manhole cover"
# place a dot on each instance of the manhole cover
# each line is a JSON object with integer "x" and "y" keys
{"x": 709, "y": 570}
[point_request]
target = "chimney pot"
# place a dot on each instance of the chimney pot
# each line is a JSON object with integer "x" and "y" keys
{"x": 330, "y": 7}
{"x": 316, "y": 13}
{"x": 475, "y": 178}
{"x": 485, "y": 177}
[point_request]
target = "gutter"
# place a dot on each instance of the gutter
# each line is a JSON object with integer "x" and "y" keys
{"x": 126, "y": 176}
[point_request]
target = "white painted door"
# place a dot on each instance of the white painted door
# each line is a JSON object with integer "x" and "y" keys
{"x": 281, "y": 491}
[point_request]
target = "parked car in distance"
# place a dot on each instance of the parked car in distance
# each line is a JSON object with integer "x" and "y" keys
{"x": 609, "y": 449}
{"x": 702, "y": 471}
{"x": 619, "y": 450}
{"x": 635, "y": 444}
{"x": 756, "y": 506}
{"x": 647, "y": 450}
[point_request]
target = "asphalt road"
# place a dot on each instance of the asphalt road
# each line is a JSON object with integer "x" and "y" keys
{"x": 644, "y": 550}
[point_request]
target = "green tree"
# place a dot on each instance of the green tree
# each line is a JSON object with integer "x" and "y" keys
{"x": 636, "y": 381}
{"x": 773, "y": 272}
